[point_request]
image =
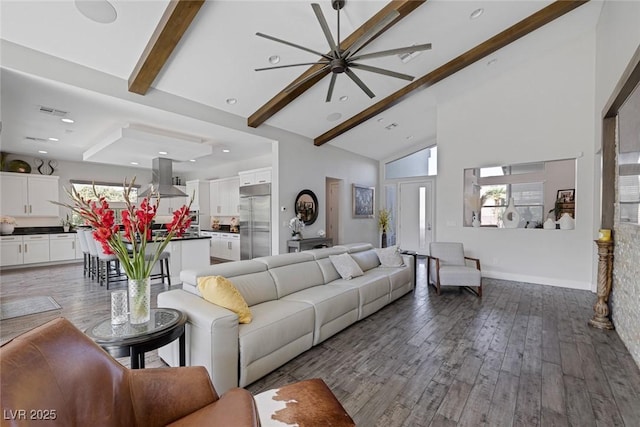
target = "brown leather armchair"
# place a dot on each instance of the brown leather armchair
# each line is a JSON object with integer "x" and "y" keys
{"x": 56, "y": 375}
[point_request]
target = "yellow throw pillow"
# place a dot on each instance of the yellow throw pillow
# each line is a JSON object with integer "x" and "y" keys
{"x": 220, "y": 291}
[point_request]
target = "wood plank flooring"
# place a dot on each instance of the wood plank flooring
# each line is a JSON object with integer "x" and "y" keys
{"x": 522, "y": 355}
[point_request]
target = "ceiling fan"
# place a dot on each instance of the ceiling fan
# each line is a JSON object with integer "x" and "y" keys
{"x": 340, "y": 60}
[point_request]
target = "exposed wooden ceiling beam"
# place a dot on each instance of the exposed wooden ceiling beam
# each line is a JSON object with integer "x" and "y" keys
{"x": 511, "y": 34}
{"x": 282, "y": 98}
{"x": 165, "y": 38}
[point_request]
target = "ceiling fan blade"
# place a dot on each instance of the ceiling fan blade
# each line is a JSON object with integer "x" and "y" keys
{"x": 325, "y": 28}
{"x": 290, "y": 65}
{"x": 359, "y": 82}
{"x": 398, "y": 51}
{"x": 275, "y": 39}
{"x": 370, "y": 33}
{"x": 382, "y": 71}
{"x": 294, "y": 85}
{"x": 331, "y": 85}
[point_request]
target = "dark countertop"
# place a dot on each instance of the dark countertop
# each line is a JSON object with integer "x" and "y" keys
{"x": 26, "y": 231}
{"x": 220, "y": 231}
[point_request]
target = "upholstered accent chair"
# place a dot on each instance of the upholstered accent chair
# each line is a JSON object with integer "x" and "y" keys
{"x": 448, "y": 266}
{"x": 55, "y": 372}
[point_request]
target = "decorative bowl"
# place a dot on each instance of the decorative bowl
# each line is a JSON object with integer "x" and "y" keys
{"x": 6, "y": 228}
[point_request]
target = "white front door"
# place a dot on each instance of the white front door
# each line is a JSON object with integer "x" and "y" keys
{"x": 416, "y": 211}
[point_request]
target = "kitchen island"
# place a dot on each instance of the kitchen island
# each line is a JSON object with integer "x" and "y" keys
{"x": 186, "y": 253}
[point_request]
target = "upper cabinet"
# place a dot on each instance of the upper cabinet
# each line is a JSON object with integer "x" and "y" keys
{"x": 200, "y": 191}
{"x": 225, "y": 196}
{"x": 29, "y": 195}
{"x": 256, "y": 176}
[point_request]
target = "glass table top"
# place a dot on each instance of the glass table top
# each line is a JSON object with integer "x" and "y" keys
{"x": 160, "y": 319}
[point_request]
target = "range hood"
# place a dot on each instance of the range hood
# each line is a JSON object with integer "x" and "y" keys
{"x": 161, "y": 179}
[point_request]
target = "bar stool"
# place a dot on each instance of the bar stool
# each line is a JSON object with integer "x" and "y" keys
{"x": 93, "y": 254}
{"x": 86, "y": 256}
{"x": 163, "y": 261}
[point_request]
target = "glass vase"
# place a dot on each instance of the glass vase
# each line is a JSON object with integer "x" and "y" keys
{"x": 139, "y": 300}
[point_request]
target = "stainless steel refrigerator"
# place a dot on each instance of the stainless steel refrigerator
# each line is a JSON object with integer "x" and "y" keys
{"x": 255, "y": 221}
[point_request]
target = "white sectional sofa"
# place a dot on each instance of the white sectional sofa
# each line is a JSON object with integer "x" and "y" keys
{"x": 297, "y": 301}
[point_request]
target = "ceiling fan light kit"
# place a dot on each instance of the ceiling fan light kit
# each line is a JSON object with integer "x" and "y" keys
{"x": 341, "y": 60}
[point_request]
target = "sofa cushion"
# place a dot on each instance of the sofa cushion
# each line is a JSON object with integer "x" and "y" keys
{"x": 454, "y": 275}
{"x": 329, "y": 272}
{"x": 280, "y": 331}
{"x": 227, "y": 269}
{"x": 337, "y": 303}
{"x": 367, "y": 260}
{"x": 346, "y": 266}
{"x": 389, "y": 257}
{"x": 220, "y": 291}
{"x": 296, "y": 277}
{"x": 373, "y": 291}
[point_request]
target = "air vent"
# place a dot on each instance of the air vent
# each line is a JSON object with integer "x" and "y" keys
{"x": 391, "y": 126}
{"x": 53, "y": 111}
{"x": 35, "y": 139}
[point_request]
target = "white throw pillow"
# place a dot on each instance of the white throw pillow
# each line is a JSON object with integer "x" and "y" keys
{"x": 346, "y": 266}
{"x": 389, "y": 257}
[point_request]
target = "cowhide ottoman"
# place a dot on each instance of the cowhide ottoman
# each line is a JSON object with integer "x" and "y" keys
{"x": 307, "y": 403}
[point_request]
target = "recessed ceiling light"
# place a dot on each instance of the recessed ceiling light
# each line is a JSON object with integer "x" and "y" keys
{"x": 192, "y": 160}
{"x": 42, "y": 152}
{"x": 333, "y": 117}
{"x": 409, "y": 137}
{"x": 226, "y": 150}
{"x": 53, "y": 139}
{"x": 274, "y": 59}
{"x": 344, "y": 98}
{"x": 163, "y": 152}
{"x": 134, "y": 163}
{"x": 100, "y": 11}
{"x": 493, "y": 61}
{"x": 231, "y": 101}
{"x": 67, "y": 120}
{"x": 476, "y": 13}
{"x": 380, "y": 120}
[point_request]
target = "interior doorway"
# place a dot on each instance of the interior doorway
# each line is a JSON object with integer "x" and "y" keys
{"x": 415, "y": 213}
{"x": 333, "y": 191}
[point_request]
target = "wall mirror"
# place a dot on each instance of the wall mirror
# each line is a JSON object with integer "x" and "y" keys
{"x": 540, "y": 191}
{"x": 307, "y": 206}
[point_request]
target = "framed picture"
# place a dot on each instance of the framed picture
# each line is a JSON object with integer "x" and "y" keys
{"x": 363, "y": 201}
{"x": 565, "y": 196}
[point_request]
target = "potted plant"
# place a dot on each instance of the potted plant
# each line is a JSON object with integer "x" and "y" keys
{"x": 384, "y": 217}
{"x": 296, "y": 225}
{"x": 66, "y": 224}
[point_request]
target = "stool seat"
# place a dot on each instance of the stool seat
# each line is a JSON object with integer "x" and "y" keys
{"x": 163, "y": 261}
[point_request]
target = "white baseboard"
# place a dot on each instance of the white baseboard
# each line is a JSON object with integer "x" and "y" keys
{"x": 549, "y": 281}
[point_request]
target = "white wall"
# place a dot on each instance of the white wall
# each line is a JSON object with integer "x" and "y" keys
{"x": 302, "y": 165}
{"x": 533, "y": 111}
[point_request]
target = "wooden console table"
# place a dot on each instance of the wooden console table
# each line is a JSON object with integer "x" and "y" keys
{"x": 306, "y": 244}
{"x": 605, "y": 277}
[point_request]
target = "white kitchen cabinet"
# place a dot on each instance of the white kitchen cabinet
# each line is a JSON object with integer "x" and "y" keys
{"x": 256, "y": 176}
{"x": 29, "y": 195}
{"x": 224, "y": 195}
{"x": 62, "y": 247}
{"x": 200, "y": 191}
{"x": 35, "y": 248}
{"x": 230, "y": 246}
{"x": 11, "y": 250}
{"x": 168, "y": 205}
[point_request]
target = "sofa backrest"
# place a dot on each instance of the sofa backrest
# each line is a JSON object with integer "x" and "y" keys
{"x": 364, "y": 255}
{"x": 250, "y": 277}
{"x": 293, "y": 272}
{"x": 321, "y": 256}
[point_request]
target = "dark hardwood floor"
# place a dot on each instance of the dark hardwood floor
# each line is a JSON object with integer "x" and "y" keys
{"x": 522, "y": 355}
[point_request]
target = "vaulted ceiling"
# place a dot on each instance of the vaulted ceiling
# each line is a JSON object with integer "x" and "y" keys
{"x": 213, "y": 64}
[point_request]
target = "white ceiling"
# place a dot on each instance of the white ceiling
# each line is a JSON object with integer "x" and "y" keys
{"x": 216, "y": 58}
